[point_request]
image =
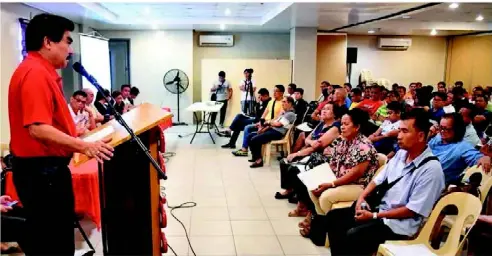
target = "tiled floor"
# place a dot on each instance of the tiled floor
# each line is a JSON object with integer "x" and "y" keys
{"x": 236, "y": 212}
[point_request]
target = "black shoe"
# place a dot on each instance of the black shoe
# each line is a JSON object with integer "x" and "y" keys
{"x": 228, "y": 146}
{"x": 279, "y": 195}
{"x": 251, "y": 160}
{"x": 256, "y": 165}
{"x": 293, "y": 200}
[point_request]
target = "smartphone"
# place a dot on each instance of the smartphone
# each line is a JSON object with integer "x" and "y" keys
{"x": 10, "y": 204}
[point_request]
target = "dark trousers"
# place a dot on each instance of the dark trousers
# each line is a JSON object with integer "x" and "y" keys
{"x": 44, "y": 186}
{"x": 301, "y": 191}
{"x": 285, "y": 174}
{"x": 348, "y": 237}
{"x": 222, "y": 113}
{"x": 257, "y": 140}
{"x": 237, "y": 126}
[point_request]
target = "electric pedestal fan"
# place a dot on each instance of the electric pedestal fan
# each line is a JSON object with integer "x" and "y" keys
{"x": 176, "y": 81}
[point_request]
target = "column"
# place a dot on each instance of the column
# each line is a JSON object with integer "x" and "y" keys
{"x": 303, "y": 44}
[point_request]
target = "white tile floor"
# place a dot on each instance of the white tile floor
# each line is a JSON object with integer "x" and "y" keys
{"x": 236, "y": 212}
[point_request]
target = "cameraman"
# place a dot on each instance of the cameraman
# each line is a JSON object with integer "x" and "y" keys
{"x": 223, "y": 93}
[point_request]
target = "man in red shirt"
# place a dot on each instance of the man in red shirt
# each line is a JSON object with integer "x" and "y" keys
{"x": 371, "y": 105}
{"x": 43, "y": 138}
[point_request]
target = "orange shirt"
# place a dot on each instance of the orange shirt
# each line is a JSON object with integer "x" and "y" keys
{"x": 370, "y": 105}
{"x": 36, "y": 96}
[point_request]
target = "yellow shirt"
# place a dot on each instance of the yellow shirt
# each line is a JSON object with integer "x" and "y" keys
{"x": 277, "y": 110}
{"x": 353, "y": 105}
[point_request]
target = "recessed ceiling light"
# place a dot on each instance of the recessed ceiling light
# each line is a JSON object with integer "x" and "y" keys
{"x": 227, "y": 12}
{"x": 147, "y": 10}
{"x": 454, "y": 5}
{"x": 433, "y": 32}
{"x": 479, "y": 18}
{"x": 222, "y": 26}
{"x": 371, "y": 31}
{"x": 405, "y": 17}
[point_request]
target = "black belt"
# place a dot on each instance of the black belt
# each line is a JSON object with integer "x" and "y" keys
{"x": 44, "y": 161}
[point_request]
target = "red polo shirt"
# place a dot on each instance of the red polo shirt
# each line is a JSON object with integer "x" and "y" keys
{"x": 36, "y": 96}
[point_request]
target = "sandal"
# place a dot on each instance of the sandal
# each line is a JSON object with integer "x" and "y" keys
{"x": 305, "y": 232}
{"x": 298, "y": 213}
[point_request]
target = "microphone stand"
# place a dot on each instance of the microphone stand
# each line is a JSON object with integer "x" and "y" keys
{"x": 123, "y": 123}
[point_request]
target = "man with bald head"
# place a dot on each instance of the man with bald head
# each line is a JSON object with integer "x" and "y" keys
{"x": 340, "y": 97}
{"x": 89, "y": 106}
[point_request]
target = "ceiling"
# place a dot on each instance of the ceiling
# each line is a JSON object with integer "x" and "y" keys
{"x": 413, "y": 18}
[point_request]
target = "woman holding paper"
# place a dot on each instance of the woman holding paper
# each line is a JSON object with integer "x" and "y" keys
{"x": 353, "y": 162}
{"x": 320, "y": 138}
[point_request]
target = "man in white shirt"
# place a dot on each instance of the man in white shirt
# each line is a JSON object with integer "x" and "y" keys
{"x": 82, "y": 117}
{"x": 468, "y": 113}
{"x": 448, "y": 107}
{"x": 125, "y": 93}
{"x": 89, "y": 106}
{"x": 223, "y": 93}
{"x": 248, "y": 89}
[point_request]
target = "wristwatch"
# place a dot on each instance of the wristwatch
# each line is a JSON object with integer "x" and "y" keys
{"x": 374, "y": 215}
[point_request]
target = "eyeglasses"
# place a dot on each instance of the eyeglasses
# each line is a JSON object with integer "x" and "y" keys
{"x": 445, "y": 129}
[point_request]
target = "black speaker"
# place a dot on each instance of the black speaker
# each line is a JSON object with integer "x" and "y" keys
{"x": 351, "y": 54}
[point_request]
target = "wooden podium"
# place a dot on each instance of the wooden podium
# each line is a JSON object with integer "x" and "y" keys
{"x": 129, "y": 184}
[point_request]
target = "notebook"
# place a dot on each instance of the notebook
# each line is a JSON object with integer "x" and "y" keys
{"x": 316, "y": 176}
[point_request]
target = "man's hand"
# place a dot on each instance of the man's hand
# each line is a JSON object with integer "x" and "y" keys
{"x": 433, "y": 131}
{"x": 363, "y": 215}
{"x": 4, "y": 200}
{"x": 99, "y": 150}
{"x": 485, "y": 163}
{"x": 359, "y": 203}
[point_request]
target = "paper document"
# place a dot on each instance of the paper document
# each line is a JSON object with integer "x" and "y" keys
{"x": 409, "y": 250}
{"x": 304, "y": 127}
{"x": 316, "y": 176}
{"x": 100, "y": 134}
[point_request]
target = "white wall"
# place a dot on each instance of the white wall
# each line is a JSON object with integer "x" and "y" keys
{"x": 424, "y": 61}
{"x": 10, "y": 55}
{"x": 152, "y": 54}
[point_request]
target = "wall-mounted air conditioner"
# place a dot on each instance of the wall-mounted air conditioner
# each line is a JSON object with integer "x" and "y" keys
{"x": 394, "y": 43}
{"x": 216, "y": 40}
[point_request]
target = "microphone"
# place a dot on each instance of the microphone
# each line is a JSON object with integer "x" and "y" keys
{"x": 81, "y": 70}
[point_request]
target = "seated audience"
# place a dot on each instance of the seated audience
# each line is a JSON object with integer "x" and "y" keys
{"x": 448, "y": 106}
{"x": 384, "y": 93}
{"x": 402, "y": 91}
{"x": 324, "y": 85}
{"x": 455, "y": 154}
{"x": 125, "y": 93}
{"x": 272, "y": 112}
{"x": 371, "y": 105}
{"x": 416, "y": 180}
{"x": 356, "y": 96}
{"x": 411, "y": 95}
{"x": 394, "y": 87}
{"x": 301, "y": 105}
{"x": 321, "y": 136}
{"x": 437, "y": 111}
{"x": 367, "y": 92}
{"x": 385, "y": 137}
{"x": 353, "y": 161}
{"x": 82, "y": 116}
{"x": 483, "y": 116}
{"x": 291, "y": 88}
{"x": 134, "y": 92}
{"x": 458, "y": 84}
{"x": 468, "y": 113}
{"x": 340, "y": 97}
{"x": 458, "y": 98}
{"x": 273, "y": 129}
{"x": 327, "y": 97}
{"x": 348, "y": 88}
{"x": 90, "y": 106}
{"x": 101, "y": 104}
{"x": 382, "y": 112}
{"x": 241, "y": 120}
{"x": 119, "y": 104}
{"x": 441, "y": 87}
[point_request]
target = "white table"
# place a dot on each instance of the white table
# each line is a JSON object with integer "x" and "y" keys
{"x": 207, "y": 108}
